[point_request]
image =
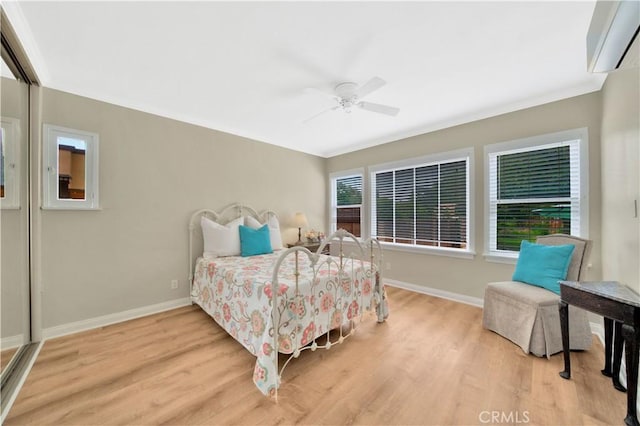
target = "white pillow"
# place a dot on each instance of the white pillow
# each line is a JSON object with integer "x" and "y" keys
{"x": 221, "y": 240}
{"x": 274, "y": 230}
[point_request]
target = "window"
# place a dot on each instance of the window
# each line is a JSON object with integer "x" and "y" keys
{"x": 9, "y": 163}
{"x": 70, "y": 168}
{"x": 347, "y": 202}
{"x": 423, "y": 203}
{"x": 537, "y": 186}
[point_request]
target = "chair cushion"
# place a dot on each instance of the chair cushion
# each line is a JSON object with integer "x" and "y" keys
{"x": 543, "y": 265}
{"x": 524, "y": 293}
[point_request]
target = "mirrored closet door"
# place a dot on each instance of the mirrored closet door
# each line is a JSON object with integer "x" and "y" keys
{"x": 15, "y": 325}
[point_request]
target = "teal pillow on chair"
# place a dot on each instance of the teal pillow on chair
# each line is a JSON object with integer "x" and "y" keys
{"x": 254, "y": 241}
{"x": 542, "y": 265}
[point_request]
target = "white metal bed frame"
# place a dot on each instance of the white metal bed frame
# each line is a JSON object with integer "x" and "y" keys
{"x": 369, "y": 250}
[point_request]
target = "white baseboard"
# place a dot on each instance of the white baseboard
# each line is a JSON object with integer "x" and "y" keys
{"x": 91, "y": 323}
{"x": 598, "y": 330}
{"x": 436, "y": 292}
{"x": 12, "y": 342}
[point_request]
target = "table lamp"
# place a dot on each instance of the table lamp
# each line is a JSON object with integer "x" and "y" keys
{"x": 299, "y": 221}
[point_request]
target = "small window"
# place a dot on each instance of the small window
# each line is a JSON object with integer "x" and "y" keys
{"x": 537, "y": 186}
{"x": 347, "y": 202}
{"x": 70, "y": 168}
{"x": 9, "y": 163}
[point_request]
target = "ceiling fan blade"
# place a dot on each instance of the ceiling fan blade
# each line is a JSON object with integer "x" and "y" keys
{"x": 382, "y": 109}
{"x": 320, "y": 113}
{"x": 374, "y": 84}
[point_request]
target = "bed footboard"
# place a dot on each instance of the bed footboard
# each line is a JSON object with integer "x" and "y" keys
{"x": 344, "y": 286}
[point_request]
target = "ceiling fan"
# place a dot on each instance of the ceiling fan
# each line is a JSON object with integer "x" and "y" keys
{"x": 348, "y": 96}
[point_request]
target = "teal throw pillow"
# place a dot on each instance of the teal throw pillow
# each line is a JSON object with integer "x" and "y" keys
{"x": 255, "y": 241}
{"x": 543, "y": 266}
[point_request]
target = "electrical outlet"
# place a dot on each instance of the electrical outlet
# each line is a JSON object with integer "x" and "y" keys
{"x": 174, "y": 284}
{"x": 388, "y": 266}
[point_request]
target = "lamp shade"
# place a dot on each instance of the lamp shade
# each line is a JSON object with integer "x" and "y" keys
{"x": 299, "y": 220}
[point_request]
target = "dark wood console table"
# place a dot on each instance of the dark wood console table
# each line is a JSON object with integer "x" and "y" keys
{"x": 620, "y": 306}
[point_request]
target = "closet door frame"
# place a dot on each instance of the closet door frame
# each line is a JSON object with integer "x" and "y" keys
{"x": 17, "y": 61}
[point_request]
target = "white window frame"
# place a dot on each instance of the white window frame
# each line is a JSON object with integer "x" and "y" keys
{"x": 11, "y": 142}
{"x": 334, "y": 198}
{"x": 444, "y": 157}
{"x": 577, "y": 139}
{"x": 50, "y": 169}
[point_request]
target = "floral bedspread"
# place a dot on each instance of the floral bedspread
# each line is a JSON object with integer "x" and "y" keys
{"x": 236, "y": 292}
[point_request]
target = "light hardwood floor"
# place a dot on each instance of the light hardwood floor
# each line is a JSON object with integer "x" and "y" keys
{"x": 430, "y": 363}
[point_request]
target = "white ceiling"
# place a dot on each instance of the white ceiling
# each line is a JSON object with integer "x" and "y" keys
{"x": 242, "y": 67}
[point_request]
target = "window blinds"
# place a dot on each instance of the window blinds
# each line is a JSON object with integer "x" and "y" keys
{"x": 425, "y": 205}
{"x": 348, "y": 204}
{"x": 349, "y": 191}
{"x": 533, "y": 192}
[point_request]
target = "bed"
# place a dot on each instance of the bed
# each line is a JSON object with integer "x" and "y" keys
{"x": 314, "y": 294}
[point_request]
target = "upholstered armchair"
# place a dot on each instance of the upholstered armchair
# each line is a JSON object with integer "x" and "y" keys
{"x": 528, "y": 315}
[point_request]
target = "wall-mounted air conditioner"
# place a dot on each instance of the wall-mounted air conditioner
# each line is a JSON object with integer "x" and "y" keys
{"x": 612, "y": 39}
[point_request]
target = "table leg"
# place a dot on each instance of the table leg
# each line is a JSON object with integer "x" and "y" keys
{"x": 617, "y": 356}
{"x": 564, "y": 327}
{"x": 608, "y": 340}
{"x": 631, "y": 337}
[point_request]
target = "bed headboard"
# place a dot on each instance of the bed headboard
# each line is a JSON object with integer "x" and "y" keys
{"x": 224, "y": 216}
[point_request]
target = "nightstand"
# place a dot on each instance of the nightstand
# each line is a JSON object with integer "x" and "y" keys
{"x": 312, "y": 247}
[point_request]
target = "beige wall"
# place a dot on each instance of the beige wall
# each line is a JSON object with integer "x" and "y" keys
{"x": 469, "y": 277}
{"x": 620, "y": 177}
{"x": 154, "y": 173}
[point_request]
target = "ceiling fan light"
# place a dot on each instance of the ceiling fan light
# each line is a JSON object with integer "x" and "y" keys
{"x": 348, "y": 95}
